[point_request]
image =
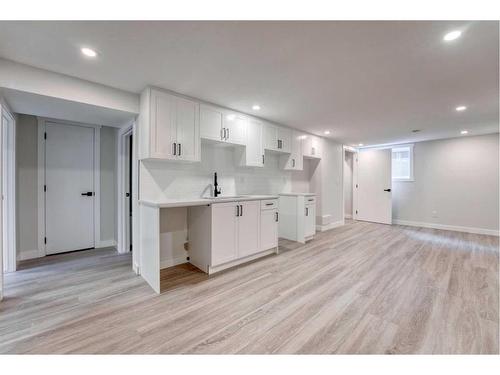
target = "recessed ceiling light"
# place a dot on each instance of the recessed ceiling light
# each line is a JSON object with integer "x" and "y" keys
{"x": 327, "y": 132}
{"x": 452, "y": 35}
{"x": 464, "y": 132}
{"x": 256, "y": 107}
{"x": 360, "y": 144}
{"x": 461, "y": 108}
{"x": 88, "y": 52}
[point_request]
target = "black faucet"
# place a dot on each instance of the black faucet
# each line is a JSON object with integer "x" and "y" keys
{"x": 217, "y": 190}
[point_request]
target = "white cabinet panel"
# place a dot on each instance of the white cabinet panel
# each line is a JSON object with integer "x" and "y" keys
{"x": 294, "y": 161}
{"x": 211, "y": 119}
{"x": 312, "y": 146}
{"x": 163, "y": 129}
{"x": 187, "y": 131}
{"x": 284, "y": 139}
{"x": 268, "y": 229}
{"x": 277, "y": 138}
{"x": 249, "y": 228}
{"x": 310, "y": 220}
{"x": 270, "y": 137}
{"x": 236, "y": 126}
{"x": 224, "y": 233}
{"x": 253, "y": 154}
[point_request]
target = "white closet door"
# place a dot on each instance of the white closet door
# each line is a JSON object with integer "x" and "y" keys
{"x": 374, "y": 197}
{"x": 69, "y": 198}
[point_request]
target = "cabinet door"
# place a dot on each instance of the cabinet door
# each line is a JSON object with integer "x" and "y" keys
{"x": 311, "y": 146}
{"x": 224, "y": 233}
{"x": 249, "y": 228}
{"x": 236, "y": 126}
{"x": 295, "y": 161}
{"x": 310, "y": 220}
{"x": 163, "y": 128}
{"x": 188, "y": 129}
{"x": 268, "y": 229}
{"x": 211, "y": 123}
{"x": 284, "y": 138}
{"x": 270, "y": 137}
{"x": 254, "y": 150}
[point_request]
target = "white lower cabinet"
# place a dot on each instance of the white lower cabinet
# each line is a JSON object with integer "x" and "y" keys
{"x": 222, "y": 235}
{"x": 297, "y": 216}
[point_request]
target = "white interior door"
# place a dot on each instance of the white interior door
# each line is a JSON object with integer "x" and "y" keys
{"x": 373, "y": 194}
{"x": 69, "y": 180}
{"x": 1, "y": 207}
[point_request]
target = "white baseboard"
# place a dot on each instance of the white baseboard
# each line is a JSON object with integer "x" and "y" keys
{"x": 335, "y": 224}
{"x": 106, "y": 243}
{"x": 172, "y": 262}
{"x": 29, "y": 254}
{"x": 454, "y": 228}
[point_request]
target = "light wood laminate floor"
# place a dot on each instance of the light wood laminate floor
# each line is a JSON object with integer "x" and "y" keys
{"x": 360, "y": 288}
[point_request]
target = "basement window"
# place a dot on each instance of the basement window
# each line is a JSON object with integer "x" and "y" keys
{"x": 402, "y": 163}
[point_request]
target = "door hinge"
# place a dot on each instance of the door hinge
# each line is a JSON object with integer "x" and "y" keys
{"x": 45, "y": 135}
{"x": 45, "y": 240}
{"x": 44, "y": 187}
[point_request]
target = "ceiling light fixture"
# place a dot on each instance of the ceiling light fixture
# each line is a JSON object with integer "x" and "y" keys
{"x": 327, "y": 132}
{"x": 360, "y": 144}
{"x": 88, "y": 52}
{"x": 461, "y": 108}
{"x": 452, "y": 35}
{"x": 256, "y": 107}
{"x": 464, "y": 132}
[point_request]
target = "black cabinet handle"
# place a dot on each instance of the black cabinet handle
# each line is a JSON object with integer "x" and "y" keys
{"x": 175, "y": 148}
{"x": 237, "y": 210}
{"x": 241, "y": 210}
{"x": 269, "y": 204}
{"x": 222, "y": 133}
{"x": 227, "y": 137}
{"x": 88, "y": 194}
{"x": 277, "y": 217}
{"x": 293, "y": 162}
{"x": 307, "y": 211}
{"x": 179, "y": 149}
{"x": 389, "y": 190}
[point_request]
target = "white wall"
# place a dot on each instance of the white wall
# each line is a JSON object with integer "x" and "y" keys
{"x": 456, "y": 185}
{"x": 348, "y": 180}
{"x": 327, "y": 183}
{"x": 26, "y": 185}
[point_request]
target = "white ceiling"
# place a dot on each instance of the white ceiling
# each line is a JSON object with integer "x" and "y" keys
{"x": 369, "y": 82}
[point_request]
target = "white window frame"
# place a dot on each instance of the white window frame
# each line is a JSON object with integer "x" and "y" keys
{"x": 412, "y": 176}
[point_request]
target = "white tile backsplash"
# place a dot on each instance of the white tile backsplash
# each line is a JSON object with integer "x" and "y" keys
{"x": 177, "y": 180}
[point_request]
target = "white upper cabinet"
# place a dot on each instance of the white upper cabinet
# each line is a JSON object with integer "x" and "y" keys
{"x": 211, "y": 123}
{"x": 169, "y": 127}
{"x": 221, "y": 125}
{"x": 294, "y": 161}
{"x": 236, "y": 128}
{"x": 311, "y": 146}
{"x": 253, "y": 154}
{"x": 277, "y": 138}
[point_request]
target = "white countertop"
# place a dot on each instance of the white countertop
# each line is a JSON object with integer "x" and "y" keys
{"x": 299, "y": 194}
{"x": 172, "y": 203}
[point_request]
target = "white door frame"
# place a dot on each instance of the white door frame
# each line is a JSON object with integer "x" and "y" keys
{"x": 122, "y": 214}
{"x": 354, "y": 180}
{"x": 41, "y": 180}
{"x": 9, "y": 195}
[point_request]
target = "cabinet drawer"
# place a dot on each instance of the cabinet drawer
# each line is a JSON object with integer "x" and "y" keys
{"x": 310, "y": 200}
{"x": 269, "y": 204}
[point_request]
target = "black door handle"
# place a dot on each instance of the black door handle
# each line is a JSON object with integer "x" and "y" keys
{"x": 387, "y": 190}
{"x": 127, "y": 195}
{"x": 88, "y": 194}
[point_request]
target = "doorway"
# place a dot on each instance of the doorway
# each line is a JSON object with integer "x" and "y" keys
{"x": 68, "y": 156}
{"x": 348, "y": 183}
